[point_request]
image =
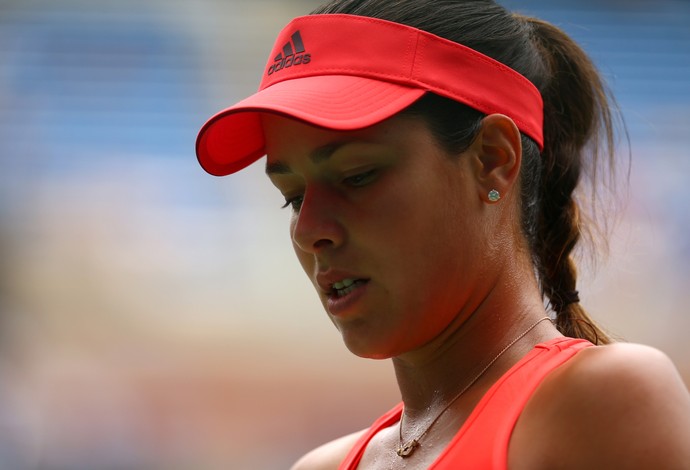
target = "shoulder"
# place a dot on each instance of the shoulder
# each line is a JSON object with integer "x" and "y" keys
{"x": 616, "y": 366}
{"x": 328, "y": 456}
{"x": 616, "y": 406}
{"x": 622, "y": 374}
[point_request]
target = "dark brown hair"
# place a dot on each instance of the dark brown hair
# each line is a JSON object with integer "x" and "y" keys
{"x": 578, "y": 127}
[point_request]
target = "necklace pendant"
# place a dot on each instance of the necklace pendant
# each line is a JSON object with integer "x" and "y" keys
{"x": 405, "y": 450}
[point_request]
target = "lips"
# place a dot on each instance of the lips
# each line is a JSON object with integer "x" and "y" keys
{"x": 343, "y": 292}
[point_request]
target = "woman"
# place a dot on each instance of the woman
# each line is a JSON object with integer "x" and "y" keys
{"x": 429, "y": 152}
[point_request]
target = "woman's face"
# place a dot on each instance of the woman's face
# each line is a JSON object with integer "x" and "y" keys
{"x": 387, "y": 226}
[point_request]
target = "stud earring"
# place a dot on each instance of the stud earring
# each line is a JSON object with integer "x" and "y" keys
{"x": 494, "y": 195}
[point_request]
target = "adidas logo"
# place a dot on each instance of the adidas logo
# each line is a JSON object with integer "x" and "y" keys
{"x": 290, "y": 55}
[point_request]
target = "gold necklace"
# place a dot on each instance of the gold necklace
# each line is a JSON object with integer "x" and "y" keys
{"x": 405, "y": 449}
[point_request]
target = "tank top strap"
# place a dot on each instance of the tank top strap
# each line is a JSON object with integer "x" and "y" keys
{"x": 355, "y": 455}
{"x": 482, "y": 441}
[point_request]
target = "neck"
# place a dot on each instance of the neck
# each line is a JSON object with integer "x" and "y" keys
{"x": 432, "y": 376}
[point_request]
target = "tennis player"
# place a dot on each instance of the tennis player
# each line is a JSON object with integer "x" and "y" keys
{"x": 429, "y": 152}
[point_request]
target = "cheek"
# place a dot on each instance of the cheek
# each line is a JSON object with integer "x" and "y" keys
{"x": 419, "y": 219}
{"x": 432, "y": 249}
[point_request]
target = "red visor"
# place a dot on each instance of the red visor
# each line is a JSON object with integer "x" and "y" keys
{"x": 346, "y": 72}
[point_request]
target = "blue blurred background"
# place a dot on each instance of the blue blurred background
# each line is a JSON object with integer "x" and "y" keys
{"x": 153, "y": 317}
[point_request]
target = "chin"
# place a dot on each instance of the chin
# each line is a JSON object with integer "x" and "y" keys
{"x": 369, "y": 348}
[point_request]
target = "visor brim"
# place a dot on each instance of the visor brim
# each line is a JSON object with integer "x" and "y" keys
{"x": 234, "y": 138}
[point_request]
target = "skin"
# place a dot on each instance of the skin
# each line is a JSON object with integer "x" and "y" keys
{"x": 449, "y": 283}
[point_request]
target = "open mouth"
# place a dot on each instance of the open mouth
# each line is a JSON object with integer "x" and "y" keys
{"x": 344, "y": 287}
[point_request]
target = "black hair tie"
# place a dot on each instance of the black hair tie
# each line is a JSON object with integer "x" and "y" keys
{"x": 565, "y": 299}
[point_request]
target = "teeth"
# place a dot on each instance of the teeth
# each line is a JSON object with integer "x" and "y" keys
{"x": 344, "y": 287}
{"x": 345, "y": 283}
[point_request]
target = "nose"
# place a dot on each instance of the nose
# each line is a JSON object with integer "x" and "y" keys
{"x": 316, "y": 227}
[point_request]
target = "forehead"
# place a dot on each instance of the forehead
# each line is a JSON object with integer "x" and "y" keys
{"x": 286, "y": 138}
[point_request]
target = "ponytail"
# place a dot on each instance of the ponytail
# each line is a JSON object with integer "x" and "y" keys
{"x": 578, "y": 132}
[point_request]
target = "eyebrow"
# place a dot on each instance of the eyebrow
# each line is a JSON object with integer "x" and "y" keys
{"x": 319, "y": 155}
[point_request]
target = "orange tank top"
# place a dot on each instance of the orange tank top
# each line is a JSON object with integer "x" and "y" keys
{"x": 482, "y": 441}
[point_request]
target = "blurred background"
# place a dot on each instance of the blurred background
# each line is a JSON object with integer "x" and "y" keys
{"x": 154, "y": 317}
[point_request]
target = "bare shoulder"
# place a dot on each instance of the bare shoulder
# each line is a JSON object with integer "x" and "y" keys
{"x": 626, "y": 368}
{"x": 625, "y": 374}
{"x": 328, "y": 456}
{"x": 616, "y": 406}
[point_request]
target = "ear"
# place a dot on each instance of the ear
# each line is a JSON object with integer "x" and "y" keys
{"x": 498, "y": 151}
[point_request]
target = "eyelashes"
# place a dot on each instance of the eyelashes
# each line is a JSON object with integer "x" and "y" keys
{"x": 361, "y": 179}
{"x": 355, "y": 181}
{"x": 295, "y": 202}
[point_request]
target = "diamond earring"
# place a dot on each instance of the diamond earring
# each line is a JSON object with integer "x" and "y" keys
{"x": 494, "y": 195}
